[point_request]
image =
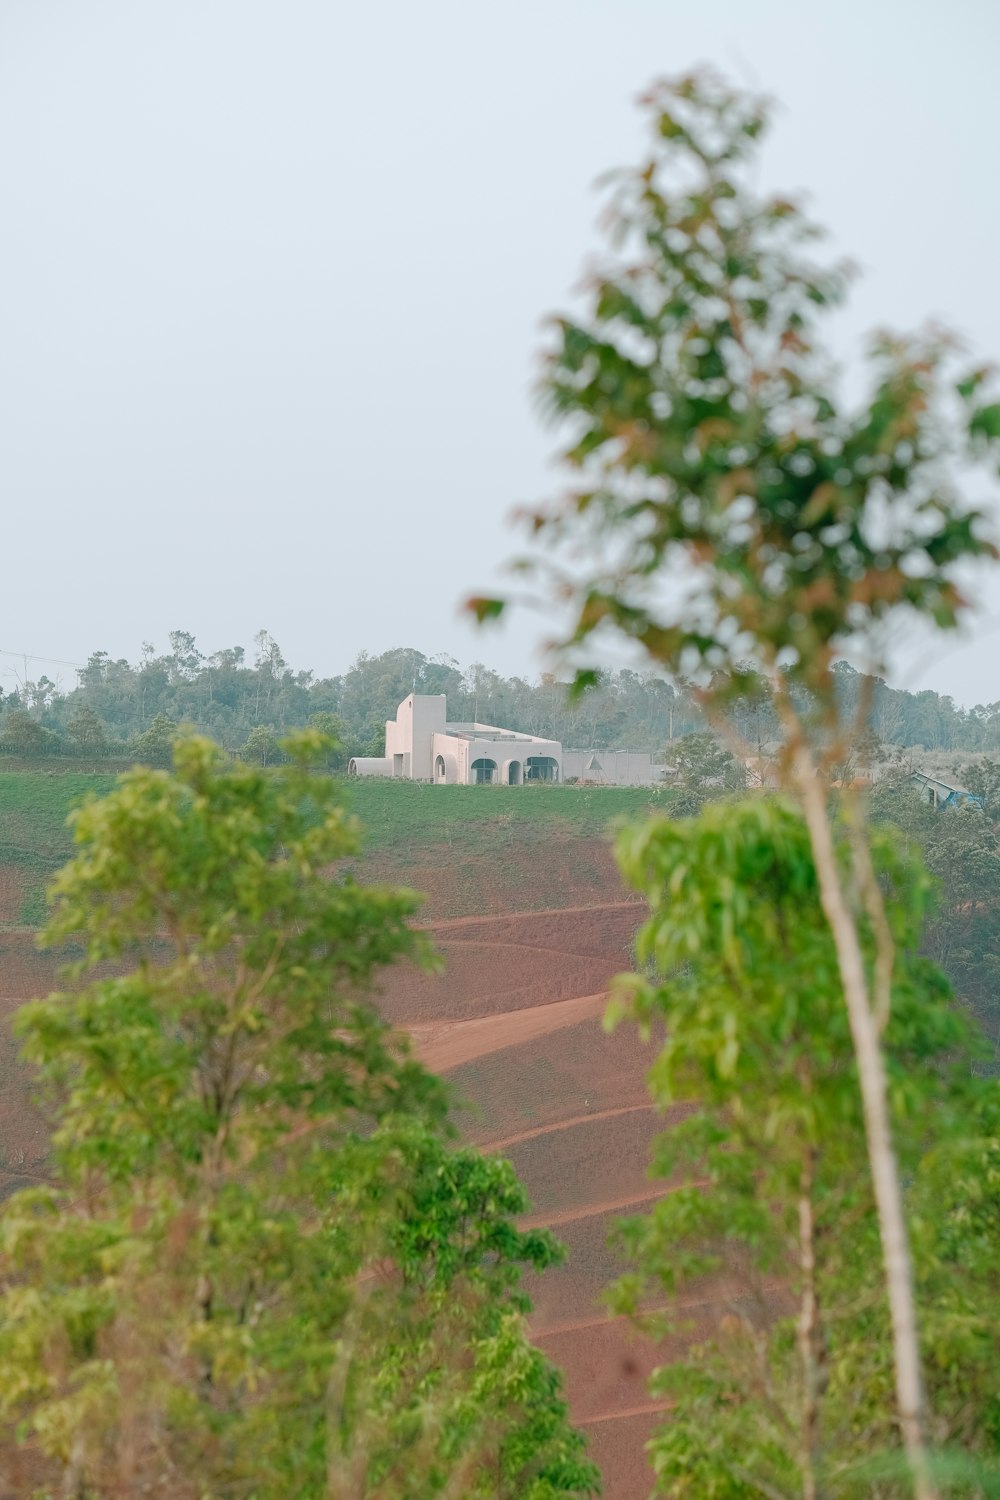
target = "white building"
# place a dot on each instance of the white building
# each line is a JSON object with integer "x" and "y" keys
{"x": 420, "y": 745}
{"x": 610, "y": 767}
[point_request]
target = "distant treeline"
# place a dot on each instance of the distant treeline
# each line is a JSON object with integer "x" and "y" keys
{"x": 122, "y": 708}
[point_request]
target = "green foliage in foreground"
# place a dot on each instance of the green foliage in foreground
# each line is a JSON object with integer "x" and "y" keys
{"x": 770, "y": 1197}
{"x": 263, "y": 1268}
{"x": 707, "y": 441}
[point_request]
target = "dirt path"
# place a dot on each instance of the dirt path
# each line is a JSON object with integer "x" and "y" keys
{"x": 448, "y": 1044}
{"x": 598, "y": 1114}
{"x": 466, "y": 944}
{"x": 683, "y": 1304}
{"x": 628, "y": 1411}
{"x": 591, "y": 1210}
{"x": 450, "y": 924}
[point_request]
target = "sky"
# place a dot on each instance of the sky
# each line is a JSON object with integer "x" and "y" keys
{"x": 273, "y": 278}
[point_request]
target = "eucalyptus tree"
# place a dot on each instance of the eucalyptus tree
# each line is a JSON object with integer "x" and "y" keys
{"x": 727, "y": 509}
{"x": 767, "y": 1212}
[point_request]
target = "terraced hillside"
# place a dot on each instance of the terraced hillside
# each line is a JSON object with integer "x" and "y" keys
{"x": 526, "y": 906}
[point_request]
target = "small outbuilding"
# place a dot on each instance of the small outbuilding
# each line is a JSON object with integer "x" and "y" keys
{"x": 940, "y": 793}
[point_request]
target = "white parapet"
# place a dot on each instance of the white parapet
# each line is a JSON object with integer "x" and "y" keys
{"x": 369, "y": 765}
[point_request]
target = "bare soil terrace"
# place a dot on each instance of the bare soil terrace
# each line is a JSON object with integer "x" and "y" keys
{"x": 532, "y": 922}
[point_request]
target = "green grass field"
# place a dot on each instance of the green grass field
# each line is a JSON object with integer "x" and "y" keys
{"x": 400, "y": 816}
{"x": 34, "y": 838}
{"x": 482, "y": 816}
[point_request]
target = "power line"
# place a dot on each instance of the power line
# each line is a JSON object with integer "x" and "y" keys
{"x": 55, "y": 661}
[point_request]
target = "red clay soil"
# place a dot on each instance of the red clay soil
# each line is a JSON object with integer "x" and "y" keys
{"x": 573, "y": 1071}
{"x": 483, "y": 979}
{"x": 568, "y": 1105}
{"x": 593, "y": 930}
{"x": 570, "y": 1124}
{"x": 444, "y": 1045}
{"x": 514, "y": 963}
{"x": 535, "y": 870}
{"x": 572, "y": 1293}
{"x": 607, "y": 1367}
{"x": 514, "y": 1023}
{"x": 24, "y": 1136}
{"x": 616, "y": 1442}
{"x": 24, "y": 972}
{"x": 597, "y": 1162}
{"x": 608, "y": 1364}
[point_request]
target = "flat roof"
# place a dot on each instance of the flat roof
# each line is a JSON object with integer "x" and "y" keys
{"x": 491, "y": 732}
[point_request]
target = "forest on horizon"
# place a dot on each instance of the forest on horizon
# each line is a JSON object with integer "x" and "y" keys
{"x": 232, "y": 695}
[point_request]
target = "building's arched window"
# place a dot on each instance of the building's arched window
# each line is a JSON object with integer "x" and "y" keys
{"x": 514, "y": 773}
{"x": 440, "y": 774}
{"x": 484, "y": 771}
{"x": 541, "y": 768}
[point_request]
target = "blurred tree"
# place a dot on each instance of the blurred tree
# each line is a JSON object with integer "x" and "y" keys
{"x": 739, "y": 514}
{"x": 792, "y": 1394}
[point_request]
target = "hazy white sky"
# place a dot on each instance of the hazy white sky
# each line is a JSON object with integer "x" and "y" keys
{"x": 271, "y": 278}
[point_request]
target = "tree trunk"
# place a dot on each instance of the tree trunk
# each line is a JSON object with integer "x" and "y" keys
{"x": 881, "y": 1155}
{"x": 809, "y": 1330}
{"x": 74, "y": 1485}
{"x": 346, "y": 1455}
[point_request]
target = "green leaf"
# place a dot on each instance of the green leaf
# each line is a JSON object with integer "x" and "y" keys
{"x": 485, "y": 609}
{"x": 985, "y": 422}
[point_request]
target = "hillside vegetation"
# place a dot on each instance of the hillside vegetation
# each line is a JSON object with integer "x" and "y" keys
{"x": 402, "y": 823}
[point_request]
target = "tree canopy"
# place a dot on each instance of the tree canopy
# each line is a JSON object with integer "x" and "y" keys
{"x": 228, "y": 696}
{"x": 769, "y": 1209}
{"x": 730, "y": 513}
{"x": 263, "y": 1267}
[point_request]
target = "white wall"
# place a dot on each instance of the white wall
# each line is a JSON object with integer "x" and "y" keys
{"x": 418, "y": 736}
{"x": 428, "y": 713}
{"x": 617, "y": 767}
{"x": 366, "y": 765}
{"x": 409, "y": 736}
{"x": 502, "y": 752}
{"x": 453, "y": 752}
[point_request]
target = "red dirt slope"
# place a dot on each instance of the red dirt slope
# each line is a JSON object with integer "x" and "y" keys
{"x": 514, "y": 1023}
{"x": 510, "y": 1026}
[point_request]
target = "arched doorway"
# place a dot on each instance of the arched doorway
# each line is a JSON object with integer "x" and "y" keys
{"x": 483, "y": 771}
{"x": 514, "y": 773}
{"x": 542, "y": 768}
{"x": 440, "y": 773}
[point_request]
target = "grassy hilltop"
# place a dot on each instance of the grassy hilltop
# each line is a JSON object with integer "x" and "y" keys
{"x": 519, "y": 836}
